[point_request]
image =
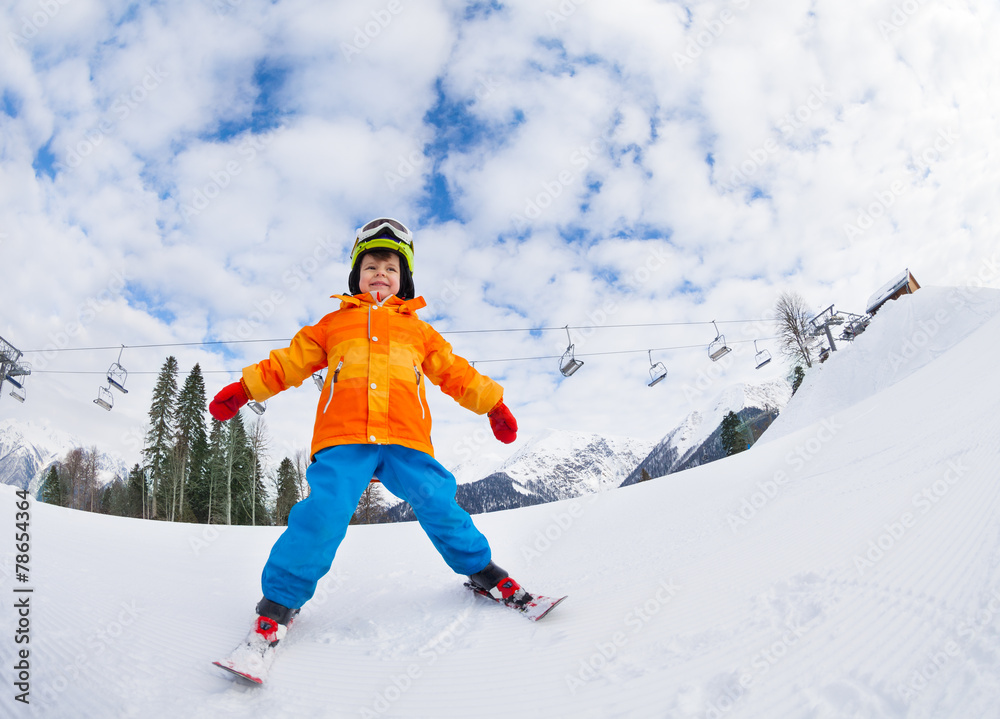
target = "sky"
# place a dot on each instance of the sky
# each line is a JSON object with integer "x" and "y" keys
{"x": 185, "y": 179}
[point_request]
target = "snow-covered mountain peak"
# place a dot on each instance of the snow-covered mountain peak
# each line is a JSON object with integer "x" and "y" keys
{"x": 556, "y": 443}
{"x": 700, "y": 424}
{"x": 28, "y": 448}
{"x": 695, "y": 440}
{"x": 593, "y": 462}
{"x": 36, "y": 433}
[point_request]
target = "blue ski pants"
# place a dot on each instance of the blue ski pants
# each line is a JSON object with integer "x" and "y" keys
{"x": 338, "y": 476}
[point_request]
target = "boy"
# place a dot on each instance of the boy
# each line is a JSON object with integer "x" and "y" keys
{"x": 372, "y": 421}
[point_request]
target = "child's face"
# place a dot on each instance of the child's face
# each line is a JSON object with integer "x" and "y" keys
{"x": 379, "y": 275}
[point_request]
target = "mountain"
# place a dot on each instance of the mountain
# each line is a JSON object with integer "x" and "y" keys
{"x": 557, "y": 465}
{"x": 28, "y": 449}
{"x": 549, "y": 467}
{"x": 697, "y": 440}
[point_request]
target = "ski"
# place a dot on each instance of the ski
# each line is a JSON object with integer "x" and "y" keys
{"x": 251, "y": 660}
{"x": 245, "y": 673}
{"x": 534, "y": 610}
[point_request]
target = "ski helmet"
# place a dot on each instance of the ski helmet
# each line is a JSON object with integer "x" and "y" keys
{"x": 384, "y": 233}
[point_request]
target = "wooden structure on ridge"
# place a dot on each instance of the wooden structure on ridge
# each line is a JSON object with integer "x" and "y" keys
{"x": 903, "y": 284}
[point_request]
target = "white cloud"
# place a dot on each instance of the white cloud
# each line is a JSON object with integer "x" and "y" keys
{"x": 573, "y": 139}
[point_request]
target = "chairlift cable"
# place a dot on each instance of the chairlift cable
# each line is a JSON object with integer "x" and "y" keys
{"x": 477, "y": 361}
{"x": 443, "y": 332}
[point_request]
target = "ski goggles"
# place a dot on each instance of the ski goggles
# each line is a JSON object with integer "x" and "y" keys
{"x": 384, "y": 225}
{"x": 384, "y": 232}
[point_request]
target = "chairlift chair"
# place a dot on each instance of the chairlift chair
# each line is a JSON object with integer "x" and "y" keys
{"x": 763, "y": 356}
{"x": 117, "y": 374}
{"x": 18, "y": 391}
{"x": 257, "y": 407}
{"x": 568, "y": 364}
{"x": 717, "y": 349}
{"x": 104, "y": 398}
{"x": 657, "y": 372}
{"x": 319, "y": 380}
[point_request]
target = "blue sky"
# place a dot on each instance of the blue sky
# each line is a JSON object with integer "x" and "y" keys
{"x": 195, "y": 172}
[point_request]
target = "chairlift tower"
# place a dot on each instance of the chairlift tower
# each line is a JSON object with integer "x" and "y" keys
{"x": 12, "y": 369}
{"x": 821, "y": 324}
{"x": 854, "y": 325}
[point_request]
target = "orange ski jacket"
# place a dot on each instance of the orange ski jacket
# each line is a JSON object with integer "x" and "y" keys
{"x": 380, "y": 356}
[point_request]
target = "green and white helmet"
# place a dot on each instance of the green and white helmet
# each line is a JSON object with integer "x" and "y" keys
{"x": 389, "y": 234}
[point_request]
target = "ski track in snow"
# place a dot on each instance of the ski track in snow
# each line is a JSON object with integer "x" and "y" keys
{"x": 848, "y": 566}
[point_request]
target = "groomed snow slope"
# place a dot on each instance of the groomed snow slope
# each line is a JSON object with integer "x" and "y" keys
{"x": 849, "y": 567}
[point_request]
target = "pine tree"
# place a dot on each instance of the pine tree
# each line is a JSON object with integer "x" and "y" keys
{"x": 136, "y": 493}
{"x": 798, "y": 375}
{"x": 288, "y": 491}
{"x": 199, "y": 492}
{"x": 191, "y": 438}
{"x": 239, "y": 473}
{"x": 113, "y": 498}
{"x": 51, "y": 490}
{"x": 644, "y": 475}
{"x": 732, "y": 443}
{"x": 218, "y": 474}
{"x": 159, "y": 437}
{"x": 246, "y": 476}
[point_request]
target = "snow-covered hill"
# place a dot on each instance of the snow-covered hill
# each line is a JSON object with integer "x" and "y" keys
{"x": 696, "y": 439}
{"x": 28, "y": 449}
{"x": 848, "y": 566}
{"x": 905, "y": 336}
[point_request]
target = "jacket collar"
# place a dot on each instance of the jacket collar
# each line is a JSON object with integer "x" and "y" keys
{"x": 407, "y": 307}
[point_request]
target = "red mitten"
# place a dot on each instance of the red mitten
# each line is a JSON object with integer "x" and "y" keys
{"x": 502, "y": 423}
{"x": 228, "y": 402}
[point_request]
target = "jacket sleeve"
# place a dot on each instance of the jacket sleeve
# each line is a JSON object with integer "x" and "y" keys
{"x": 287, "y": 367}
{"x": 457, "y": 378}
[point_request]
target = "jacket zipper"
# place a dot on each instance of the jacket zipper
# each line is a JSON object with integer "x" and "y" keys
{"x": 423, "y": 412}
{"x": 333, "y": 383}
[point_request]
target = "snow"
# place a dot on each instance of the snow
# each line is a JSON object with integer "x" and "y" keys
{"x": 906, "y": 335}
{"x": 550, "y": 451}
{"x": 482, "y": 465}
{"x": 848, "y": 566}
{"x": 582, "y": 462}
{"x": 25, "y": 447}
{"x": 887, "y": 289}
{"x": 28, "y": 448}
{"x": 699, "y": 425}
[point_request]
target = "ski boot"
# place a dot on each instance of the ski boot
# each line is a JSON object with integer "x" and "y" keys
{"x": 494, "y": 583}
{"x": 252, "y": 659}
{"x": 494, "y": 577}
